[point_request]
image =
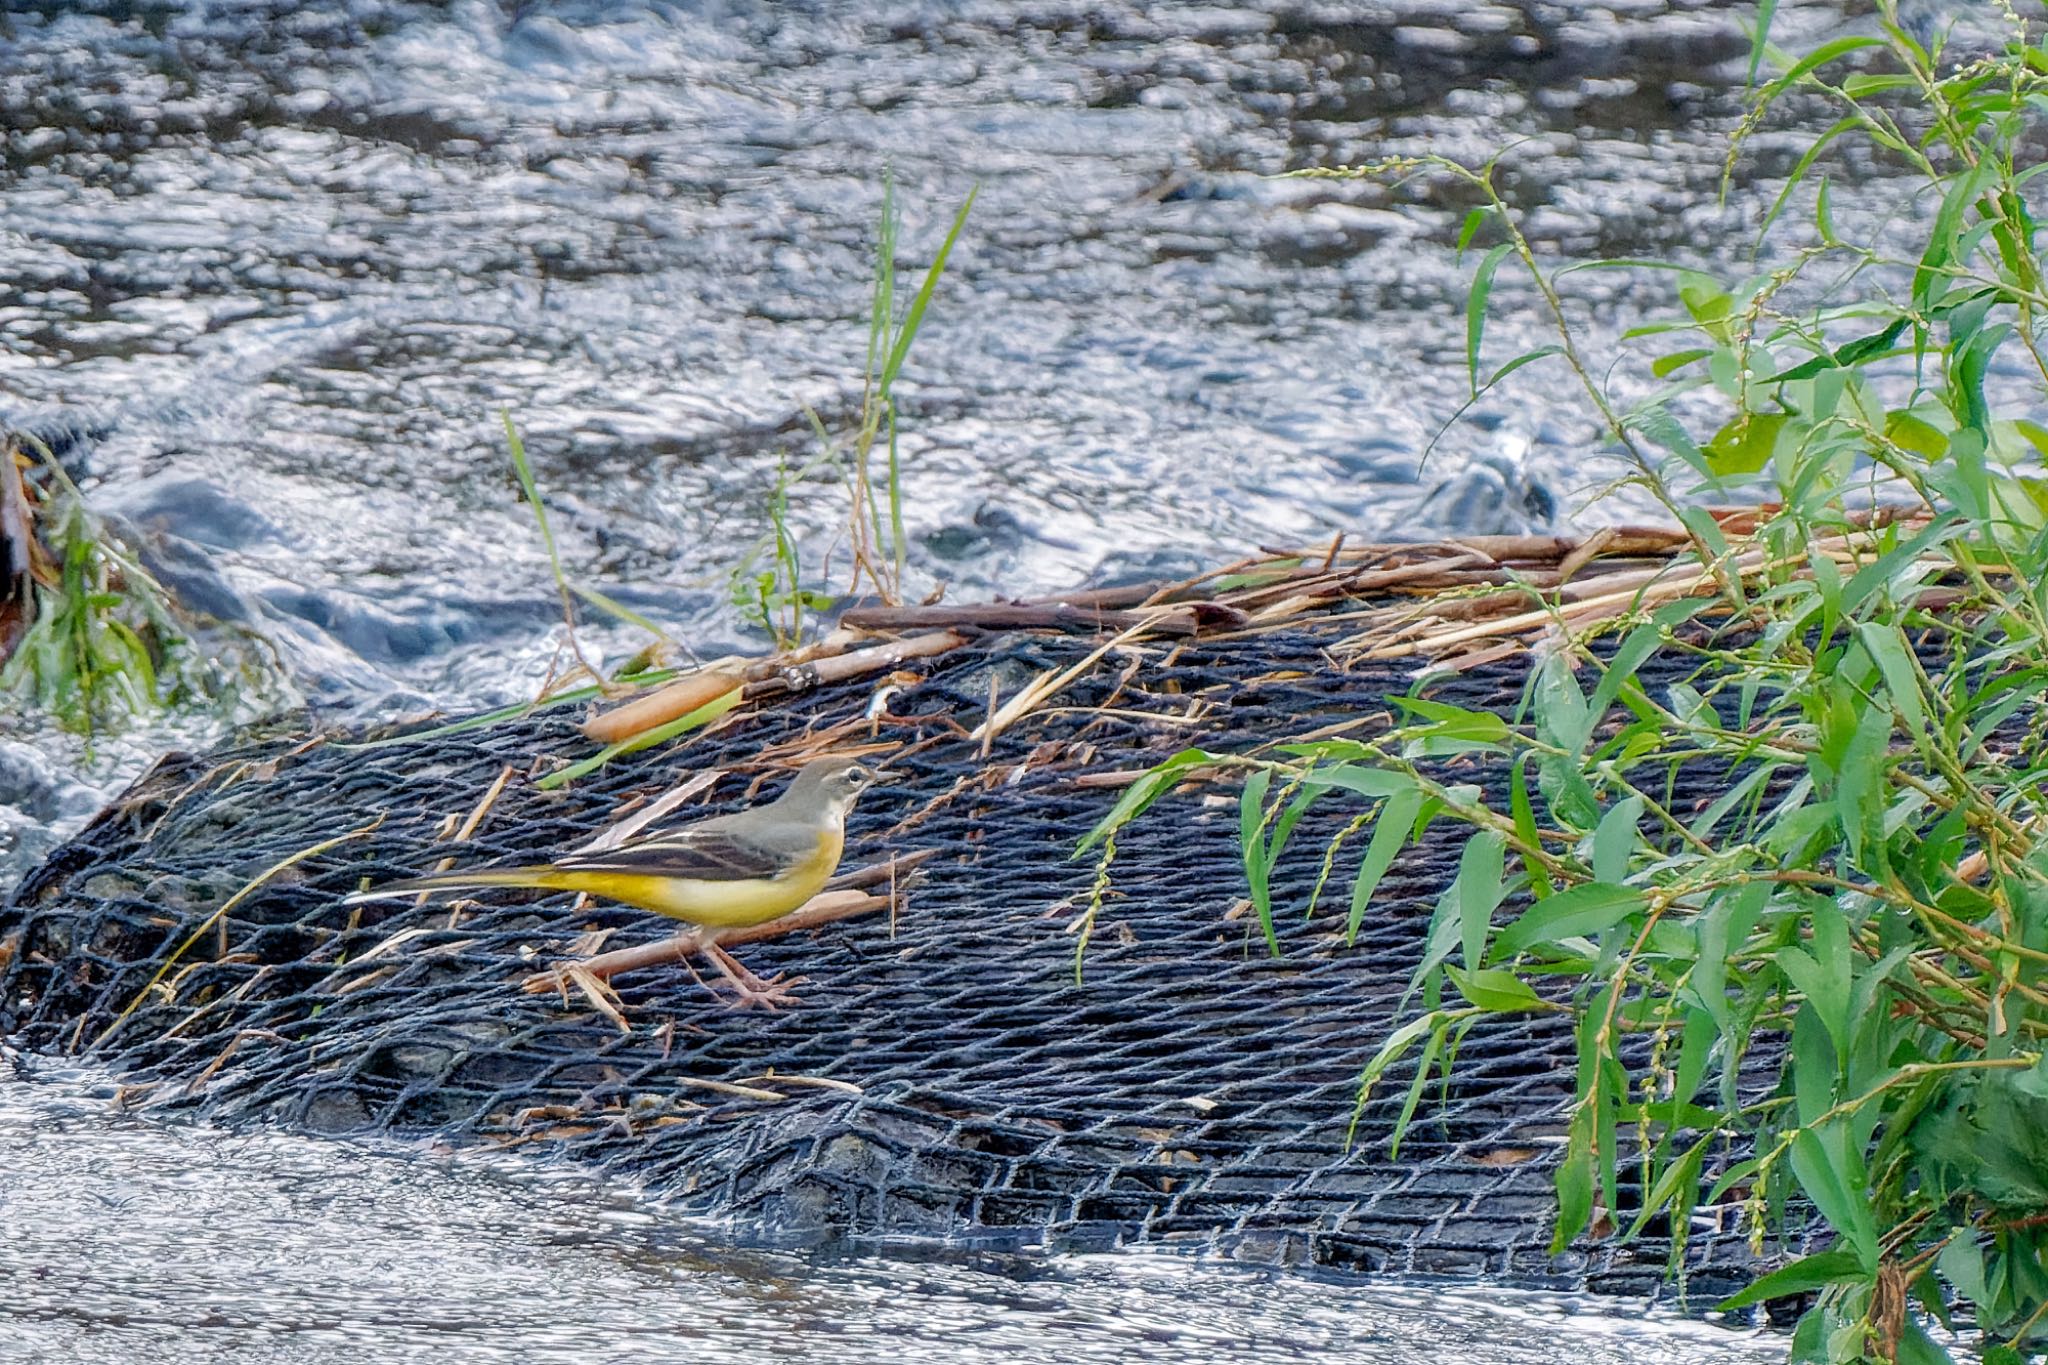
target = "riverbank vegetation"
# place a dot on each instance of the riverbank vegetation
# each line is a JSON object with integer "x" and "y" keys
{"x": 1823, "y": 995}
{"x": 771, "y": 586}
{"x": 87, "y": 635}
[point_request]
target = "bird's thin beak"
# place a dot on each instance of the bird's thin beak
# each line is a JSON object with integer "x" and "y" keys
{"x": 879, "y": 778}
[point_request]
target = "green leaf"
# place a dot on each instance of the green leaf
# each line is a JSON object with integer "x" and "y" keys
{"x": 1475, "y": 309}
{"x": 1397, "y": 1045}
{"x": 1745, "y": 445}
{"x": 1474, "y": 220}
{"x": 1814, "y": 60}
{"x": 1575, "y": 1177}
{"x": 1739, "y": 793}
{"x": 1917, "y": 1348}
{"x": 1657, "y": 423}
{"x": 1452, "y": 729}
{"x": 2034, "y": 434}
{"x": 1423, "y": 1067}
{"x": 1525, "y": 358}
{"x": 660, "y": 734}
{"x": 1803, "y": 1276}
{"x": 1250, "y": 822}
{"x": 1641, "y": 643}
{"x": 1887, "y": 644}
{"x": 1664, "y": 366}
{"x": 1480, "y": 888}
{"x": 1915, "y": 436}
{"x": 1709, "y": 304}
{"x": 1866, "y": 347}
{"x": 524, "y": 471}
{"x": 1575, "y": 913}
{"x": 1143, "y": 793}
{"x": 1561, "y": 711}
{"x": 617, "y": 609}
{"x": 1390, "y": 832}
{"x": 1760, "y": 37}
{"x": 1615, "y": 839}
{"x": 1525, "y": 825}
{"x": 1499, "y": 992}
{"x": 923, "y": 298}
{"x": 1881, "y": 571}
{"x": 1824, "y": 977}
{"x": 1677, "y": 1187}
{"x": 1963, "y": 190}
{"x": 1374, "y": 784}
{"x": 1830, "y": 1173}
{"x": 1850, "y": 354}
{"x": 1728, "y": 919}
{"x": 1311, "y": 789}
{"x": 1847, "y": 123}
{"x": 1962, "y": 1264}
{"x": 1862, "y": 85}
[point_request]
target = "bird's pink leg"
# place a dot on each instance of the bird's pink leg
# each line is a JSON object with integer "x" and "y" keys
{"x": 749, "y": 989}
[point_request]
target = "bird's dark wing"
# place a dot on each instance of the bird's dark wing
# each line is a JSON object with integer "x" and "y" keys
{"x": 702, "y": 852}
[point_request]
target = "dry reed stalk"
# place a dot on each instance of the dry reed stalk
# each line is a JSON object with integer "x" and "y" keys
{"x": 670, "y": 702}
{"x": 1047, "y": 685}
{"x": 855, "y": 663}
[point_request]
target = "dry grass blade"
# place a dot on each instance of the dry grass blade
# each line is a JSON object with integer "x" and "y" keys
{"x": 601, "y": 996}
{"x": 804, "y": 1082}
{"x": 611, "y": 836}
{"x": 745, "y": 1092}
{"x": 220, "y": 914}
{"x": 1050, "y": 684}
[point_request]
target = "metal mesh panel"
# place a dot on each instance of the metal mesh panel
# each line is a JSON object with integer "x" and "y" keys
{"x": 945, "y": 1075}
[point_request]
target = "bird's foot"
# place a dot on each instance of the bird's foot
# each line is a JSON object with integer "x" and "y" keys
{"x": 749, "y": 989}
{"x": 769, "y": 995}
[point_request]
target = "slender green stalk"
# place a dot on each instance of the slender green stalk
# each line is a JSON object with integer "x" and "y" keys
{"x": 1870, "y": 889}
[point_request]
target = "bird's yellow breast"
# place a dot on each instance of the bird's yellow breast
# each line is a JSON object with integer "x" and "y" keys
{"x": 718, "y": 904}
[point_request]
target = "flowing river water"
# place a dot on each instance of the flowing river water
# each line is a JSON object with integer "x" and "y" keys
{"x": 269, "y": 271}
{"x": 127, "y": 1241}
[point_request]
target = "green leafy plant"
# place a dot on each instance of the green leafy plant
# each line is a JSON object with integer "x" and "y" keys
{"x": 98, "y": 639}
{"x": 768, "y": 583}
{"x": 569, "y": 590}
{"x": 772, "y": 597}
{"x": 876, "y": 524}
{"x": 1860, "y": 914}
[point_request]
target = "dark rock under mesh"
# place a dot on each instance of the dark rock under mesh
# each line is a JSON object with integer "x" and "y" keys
{"x": 1190, "y": 1087}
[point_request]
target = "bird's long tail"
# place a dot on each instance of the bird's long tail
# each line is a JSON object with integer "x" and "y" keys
{"x": 539, "y": 876}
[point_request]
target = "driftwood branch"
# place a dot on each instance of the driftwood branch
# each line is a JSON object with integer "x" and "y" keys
{"x": 671, "y": 702}
{"x": 854, "y": 664}
{"x": 1613, "y": 569}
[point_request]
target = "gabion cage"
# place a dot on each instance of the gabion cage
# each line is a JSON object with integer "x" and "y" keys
{"x": 945, "y": 1073}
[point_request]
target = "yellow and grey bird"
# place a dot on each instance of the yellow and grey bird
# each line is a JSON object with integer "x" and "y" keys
{"x": 726, "y": 872}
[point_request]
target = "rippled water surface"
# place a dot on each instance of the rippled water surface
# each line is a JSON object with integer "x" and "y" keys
{"x": 277, "y": 266}
{"x": 272, "y": 269}
{"x": 129, "y": 1241}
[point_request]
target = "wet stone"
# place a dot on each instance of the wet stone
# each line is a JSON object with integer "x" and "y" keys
{"x": 334, "y": 1112}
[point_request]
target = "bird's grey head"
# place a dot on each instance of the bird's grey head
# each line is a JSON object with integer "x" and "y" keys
{"x": 831, "y": 783}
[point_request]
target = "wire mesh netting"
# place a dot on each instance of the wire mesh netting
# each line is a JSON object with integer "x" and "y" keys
{"x": 944, "y": 1074}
